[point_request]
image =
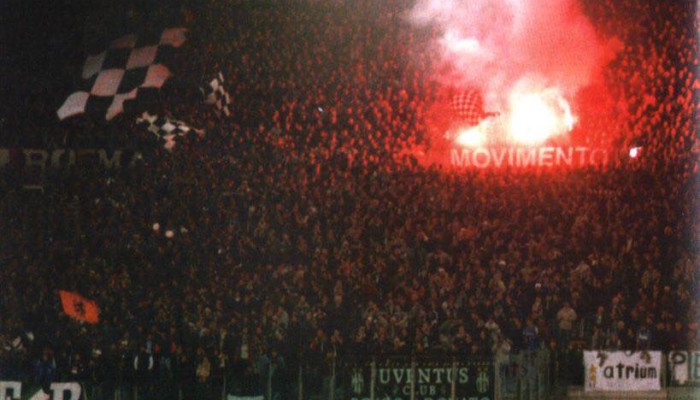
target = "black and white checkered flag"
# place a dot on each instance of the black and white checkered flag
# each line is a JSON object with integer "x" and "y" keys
{"x": 130, "y": 64}
{"x": 216, "y": 94}
{"x": 469, "y": 105}
{"x": 167, "y": 129}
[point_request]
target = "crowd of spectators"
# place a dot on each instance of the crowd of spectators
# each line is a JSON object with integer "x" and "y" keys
{"x": 295, "y": 232}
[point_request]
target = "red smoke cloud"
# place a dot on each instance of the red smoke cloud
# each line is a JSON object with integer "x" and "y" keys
{"x": 513, "y": 49}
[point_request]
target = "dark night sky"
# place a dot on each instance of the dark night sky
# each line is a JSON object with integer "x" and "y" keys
{"x": 39, "y": 39}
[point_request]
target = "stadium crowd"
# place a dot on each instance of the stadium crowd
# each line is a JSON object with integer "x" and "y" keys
{"x": 295, "y": 232}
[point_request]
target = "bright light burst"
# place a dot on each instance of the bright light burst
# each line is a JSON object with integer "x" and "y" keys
{"x": 457, "y": 44}
{"x": 471, "y": 137}
{"x": 537, "y": 115}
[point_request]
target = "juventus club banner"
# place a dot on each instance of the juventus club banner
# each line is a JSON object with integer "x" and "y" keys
{"x": 619, "y": 370}
{"x": 684, "y": 368}
{"x": 426, "y": 380}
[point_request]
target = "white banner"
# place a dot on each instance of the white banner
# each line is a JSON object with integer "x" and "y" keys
{"x": 619, "y": 370}
{"x": 59, "y": 391}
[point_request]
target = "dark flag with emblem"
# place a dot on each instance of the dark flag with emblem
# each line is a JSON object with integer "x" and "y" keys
{"x": 216, "y": 94}
{"x": 128, "y": 67}
{"x": 80, "y": 308}
{"x": 469, "y": 105}
{"x": 167, "y": 129}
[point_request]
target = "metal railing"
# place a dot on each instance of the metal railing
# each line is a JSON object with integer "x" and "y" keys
{"x": 528, "y": 375}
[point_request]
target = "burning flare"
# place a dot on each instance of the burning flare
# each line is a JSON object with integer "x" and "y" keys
{"x": 536, "y": 115}
{"x": 471, "y": 137}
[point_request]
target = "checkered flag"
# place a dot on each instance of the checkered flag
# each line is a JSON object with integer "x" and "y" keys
{"x": 216, "y": 94}
{"x": 469, "y": 105}
{"x": 167, "y": 129}
{"x": 130, "y": 65}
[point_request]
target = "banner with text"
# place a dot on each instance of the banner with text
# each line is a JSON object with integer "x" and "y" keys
{"x": 64, "y": 158}
{"x": 619, "y": 370}
{"x": 684, "y": 368}
{"x": 522, "y": 157}
{"x": 15, "y": 390}
{"x": 426, "y": 381}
